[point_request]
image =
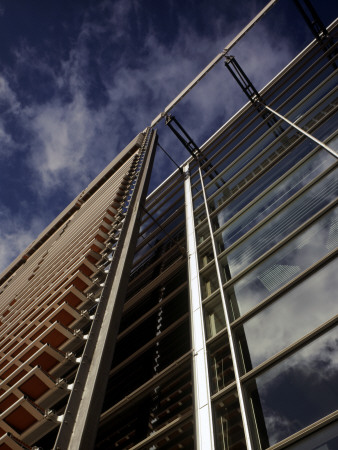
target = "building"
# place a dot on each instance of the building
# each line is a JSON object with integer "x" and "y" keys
{"x": 225, "y": 335}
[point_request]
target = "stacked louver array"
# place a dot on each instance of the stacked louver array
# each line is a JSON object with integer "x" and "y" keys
{"x": 47, "y": 312}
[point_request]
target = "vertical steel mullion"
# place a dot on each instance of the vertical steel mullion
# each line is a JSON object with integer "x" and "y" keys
{"x": 202, "y": 403}
{"x": 80, "y": 421}
{"x": 227, "y": 322}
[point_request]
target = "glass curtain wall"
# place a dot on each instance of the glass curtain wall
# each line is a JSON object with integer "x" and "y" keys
{"x": 265, "y": 221}
{"x": 266, "y": 231}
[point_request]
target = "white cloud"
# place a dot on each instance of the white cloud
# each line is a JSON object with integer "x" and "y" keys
{"x": 16, "y": 233}
{"x": 9, "y": 105}
{"x": 71, "y": 136}
{"x": 279, "y": 426}
{"x": 8, "y": 99}
{"x": 67, "y": 133}
{"x": 62, "y": 136}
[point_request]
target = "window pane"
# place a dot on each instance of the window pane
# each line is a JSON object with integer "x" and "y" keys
{"x": 327, "y": 128}
{"x": 324, "y": 439}
{"x": 305, "y": 83}
{"x": 316, "y": 95}
{"x": 241, "y": 178}
{"x": 220, "y": 364}
{"x": 214, "y": 317}
{"x": 205, "y": 255}
{"x": 312, "y": 244}
{"x": 283, "y": 223}
{"x": 209, "y": 281}
{"x": 258, "y": 186}
{"x": 284, "y": 321}
{"x": 202, "y": 233}
{"x": 296, "y": 392}
{"x": 275, "y": 197}
{"x": 229, "y": 432}
{"x": 262, "y": 144}
{"x": 198, "y": 201}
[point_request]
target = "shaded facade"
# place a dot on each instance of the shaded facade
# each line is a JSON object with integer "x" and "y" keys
{"x": 225, "y": 335}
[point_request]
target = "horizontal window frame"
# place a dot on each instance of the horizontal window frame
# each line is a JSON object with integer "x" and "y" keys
{"x": 267, "y": 148}
{"x": 306, "y": 431}
{"x": 302, "y": 276}
{"x": 280, "y": 244}
{"x": 263, "y": 123}
{"x": 289, "y": 350}
{"x": 276, "y": 211}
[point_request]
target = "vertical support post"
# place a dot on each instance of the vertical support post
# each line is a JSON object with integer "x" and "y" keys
{"x": 79, "y": 427}
{"x": 203, "y": 413}
{"x": 228, "y": 326}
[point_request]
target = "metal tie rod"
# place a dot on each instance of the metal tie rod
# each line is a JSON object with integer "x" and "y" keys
{"x": 301, "y": 130}
{"x": 171, "y": 159}
{"x": 181, "y": 249}
{"x": 218, "y": 58}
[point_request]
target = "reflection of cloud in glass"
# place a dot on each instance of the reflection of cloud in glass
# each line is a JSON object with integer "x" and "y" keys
{"x": 278, "y": 426}
{"x": 300, "y": 389}
{"x": 282, "y": 224}
{"x": 305, "y": 249}
{"x": 279, "y": 194}
{"x": 299, "y": 311}
{"x": 288, "y": 219}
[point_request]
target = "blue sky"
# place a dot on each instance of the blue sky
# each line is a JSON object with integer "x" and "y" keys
{"x": 79, "y": 79}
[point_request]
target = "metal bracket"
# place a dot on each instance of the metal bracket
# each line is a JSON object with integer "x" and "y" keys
{"x": 190, "y": 145}
{"x": 182, "y": 135}
{"x": 317, "y": 28}
{"x": 250, "y": 91}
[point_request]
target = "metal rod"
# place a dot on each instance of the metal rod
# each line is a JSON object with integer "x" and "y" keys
{"x": 332, "y": 152}
{"x": 317, "y": 28}
{"x": 181, "y": 249}
{"x": 315, "y": 24}
{"x": 179, "y": 168}
{"x": 213, "y": 63}
{"x": 184, "y": 137}
{"x": 231, "y": 338}
{"x": 250, "y": 91}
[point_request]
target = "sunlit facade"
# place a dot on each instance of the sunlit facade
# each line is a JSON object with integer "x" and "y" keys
{"x": 226, "y": 335}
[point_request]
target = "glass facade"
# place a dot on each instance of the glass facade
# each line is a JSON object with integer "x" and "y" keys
{"x": 266, "y": 234}
{"x": 227, "y": 335}
{"x": 249, "y": 322}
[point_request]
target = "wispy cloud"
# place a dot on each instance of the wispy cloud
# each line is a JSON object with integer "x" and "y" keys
{"x": 15, "y": 235}
{"x": 113, "y": 80}
{"x": 66, "y": 134}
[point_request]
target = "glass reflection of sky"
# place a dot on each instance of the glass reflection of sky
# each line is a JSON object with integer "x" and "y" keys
{"x": 296, "y": 313}
{"x": 283, "y": 265}
{"x": 316, "y": 95}
{"x": 307, "y": 88}
{"x": 279, "y": 194}
{"x": 323, "y": 439}
{"x": 258, "y": 186}
{"x": 283, "y": 223}
{"x": 327, "y": 128}
{"x": 300, "y": 390}
{"x": 263, "y": 142}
